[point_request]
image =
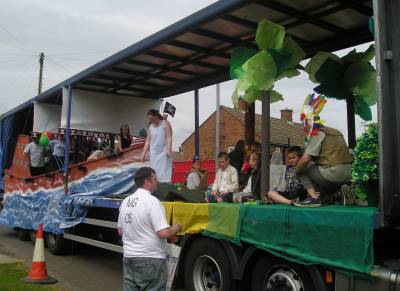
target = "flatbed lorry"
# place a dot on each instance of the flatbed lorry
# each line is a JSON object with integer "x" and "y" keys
{"x": 235, "y": 247}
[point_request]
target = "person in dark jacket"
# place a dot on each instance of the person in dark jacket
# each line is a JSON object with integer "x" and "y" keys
{"x": 236, "y": 157}
{"x": 293, "y": 187}
{"x": 252, "y": 190}
{"x": 124, "y": 138}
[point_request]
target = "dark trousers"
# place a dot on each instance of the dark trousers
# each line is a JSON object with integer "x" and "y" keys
{"x": 36, "y": 171}
{"x": 228, "y": 197}
{"x": 58, "y": 163}
{"x": 312, "y": 177}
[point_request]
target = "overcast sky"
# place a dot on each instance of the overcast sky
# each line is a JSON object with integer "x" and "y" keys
{"x": 77, "y": 34}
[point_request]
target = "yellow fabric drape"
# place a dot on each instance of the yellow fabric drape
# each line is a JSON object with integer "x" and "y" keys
{"x": 192, "y": 216}
{"x": 168, "y": 211}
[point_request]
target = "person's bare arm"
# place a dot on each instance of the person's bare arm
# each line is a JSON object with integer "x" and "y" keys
{"x": 169, "y": 232}
{"x": 119, "y": 146}
{"x": 303, "y": 162}
{"x": 146, "y": 145}
{"x": 215, "y": 184}
{"x": 119, "y": 231}
{"x": 27, "y": 154}
{"x": 169, "y": 137}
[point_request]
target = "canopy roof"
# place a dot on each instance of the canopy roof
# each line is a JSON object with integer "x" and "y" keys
{"x": 195, "y": 51}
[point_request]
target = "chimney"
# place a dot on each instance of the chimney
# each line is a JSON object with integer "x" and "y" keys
{"x": 287, "y": 114}
{"x": 241, "y": 104}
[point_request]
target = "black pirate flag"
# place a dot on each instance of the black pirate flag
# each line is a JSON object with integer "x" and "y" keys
{"x": 170, "y": 109}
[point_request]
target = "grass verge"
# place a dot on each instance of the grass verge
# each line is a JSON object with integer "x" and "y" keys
{"x": 10, "y": 279}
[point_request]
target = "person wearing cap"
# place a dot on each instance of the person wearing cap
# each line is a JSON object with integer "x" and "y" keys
{"x": 197, "y": 177}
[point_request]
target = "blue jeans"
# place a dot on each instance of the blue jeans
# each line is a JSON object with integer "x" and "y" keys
{"x": 145, "y": 274}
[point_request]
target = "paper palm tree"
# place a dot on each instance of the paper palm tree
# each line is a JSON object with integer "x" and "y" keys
{"x": 351, "y": 78}
{"x": 279, "y": 57}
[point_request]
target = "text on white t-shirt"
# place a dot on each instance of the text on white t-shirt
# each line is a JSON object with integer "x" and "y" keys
{"x": 141, "y": 216}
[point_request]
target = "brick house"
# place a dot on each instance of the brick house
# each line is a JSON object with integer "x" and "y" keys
{"x": 284, "y": 133}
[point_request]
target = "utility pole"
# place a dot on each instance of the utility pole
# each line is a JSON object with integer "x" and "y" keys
{"x": 41, "y": 59}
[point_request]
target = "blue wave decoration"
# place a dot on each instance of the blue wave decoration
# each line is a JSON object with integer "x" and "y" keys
{"x": 57, "y": 211}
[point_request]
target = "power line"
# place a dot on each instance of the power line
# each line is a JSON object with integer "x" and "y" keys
{"x": 7, "y": 61}
{"x": 61, "y": 74}
{"x": 73, "y": 71}
{"x": 78, "y": 59}
{"x": 82, "y": 53}
{"x": 31, "y": 87}
{"x": 57, "y": 75}
{"x": 11, "y": 84}
{"x": 12, "y": 54}
{"x": 10, "y": 61}
{"x": 10, "y": 66}
{"x": 16, "y": 39}
{"x": 59, "y": 65}
{"x": 13, "y": 45}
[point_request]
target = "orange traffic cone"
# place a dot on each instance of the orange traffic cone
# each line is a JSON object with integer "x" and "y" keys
{"x": 38, "y": 273}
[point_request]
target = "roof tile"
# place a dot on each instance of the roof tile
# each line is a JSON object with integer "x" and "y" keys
{"x": 281, "y": 130}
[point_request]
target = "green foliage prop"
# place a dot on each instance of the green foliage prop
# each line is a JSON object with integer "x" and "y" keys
{"x": 279, "y": 57}
{"x": 366, "y": 157}
{"x": 349, "y": 77}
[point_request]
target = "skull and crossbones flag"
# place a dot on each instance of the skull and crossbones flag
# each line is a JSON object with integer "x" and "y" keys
{"x": 170, "y": 109}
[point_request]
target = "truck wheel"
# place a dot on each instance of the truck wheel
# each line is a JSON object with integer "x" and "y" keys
{"x": 272, "y": 274}
{"x": 206, "y": 267}
{"x": 23, "y": 234}
{"x": 57, "y": 244}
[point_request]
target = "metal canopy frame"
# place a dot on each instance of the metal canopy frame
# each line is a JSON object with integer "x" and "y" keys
{"x": 195, "y": 51}
{"x": 387, "y": 34}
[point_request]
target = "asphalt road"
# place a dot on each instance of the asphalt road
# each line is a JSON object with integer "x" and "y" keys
{"x": 86, "y": 269}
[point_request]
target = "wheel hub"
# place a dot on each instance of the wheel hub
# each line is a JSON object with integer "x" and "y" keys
{"x": 206, "y": 274}
{"x": 284, "y": 280}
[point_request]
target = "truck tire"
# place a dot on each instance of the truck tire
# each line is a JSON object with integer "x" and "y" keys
{"x": 23, "y": 234}
{"x": 271, "y": 274}
{"x": 57, "y": 244}
{"x": 206, "y": 267}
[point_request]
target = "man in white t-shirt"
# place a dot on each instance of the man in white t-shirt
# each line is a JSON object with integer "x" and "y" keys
{"x": 35, "y": 154}
{"x": 144, "y": 230}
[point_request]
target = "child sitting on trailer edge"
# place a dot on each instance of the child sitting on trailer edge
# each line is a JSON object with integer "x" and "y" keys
{"x": 197, "y": 177}
{"x": 252, "y": 190}
{"x": 294, "y": 189}
{"x": 226, "y": 181}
